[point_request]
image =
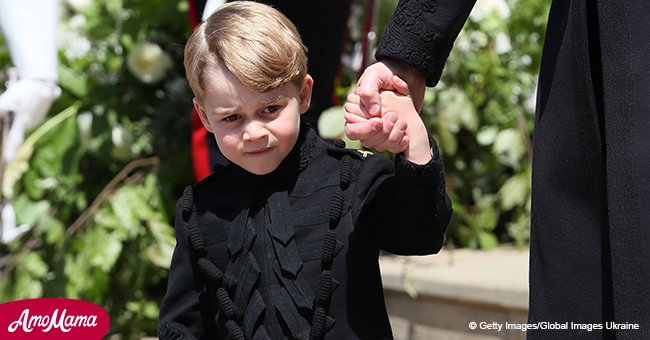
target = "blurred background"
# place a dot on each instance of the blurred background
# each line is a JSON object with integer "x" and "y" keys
{"x": 96, "y": 182}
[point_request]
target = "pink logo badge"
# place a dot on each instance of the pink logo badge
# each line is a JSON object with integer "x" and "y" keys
{"x": 52, "y": 318}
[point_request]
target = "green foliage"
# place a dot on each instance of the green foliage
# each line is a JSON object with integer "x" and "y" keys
{"x": 98, "y": 180}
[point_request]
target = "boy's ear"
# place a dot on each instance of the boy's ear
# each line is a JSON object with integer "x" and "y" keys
{"x": 204, "y": 118}
{"x": 305, "y": 93}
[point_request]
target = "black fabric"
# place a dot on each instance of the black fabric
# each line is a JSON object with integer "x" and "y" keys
{"x": 587, "y": 233}
{"x": 421, "y": 33}
{"x": 591, "y": 156}
{"x": 629, "y": 277}
{"x": 299, "y": 247}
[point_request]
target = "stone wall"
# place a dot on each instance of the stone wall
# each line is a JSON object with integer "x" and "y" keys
{"x": 440, "y": 296}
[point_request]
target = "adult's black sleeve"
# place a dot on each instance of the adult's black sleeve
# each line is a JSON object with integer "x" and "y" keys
{"x": 421, "y": 33}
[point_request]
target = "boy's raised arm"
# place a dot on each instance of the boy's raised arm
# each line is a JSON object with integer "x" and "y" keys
{"x": 405, "y": 208}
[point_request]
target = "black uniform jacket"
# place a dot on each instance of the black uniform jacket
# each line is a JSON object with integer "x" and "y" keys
{"x": 590, "y": 227}
{"x": 294, "y": 254}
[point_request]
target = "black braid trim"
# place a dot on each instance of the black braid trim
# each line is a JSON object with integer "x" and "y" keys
{"x": 325, "y": 289}
{"x": 187, "y": 200}
{"x": 346, "y": 172}
{"x": 321, "y": 322}
{"x": 336, "y": 208}
{"x": 234, "y": 330}
{"x": 318, "y": 330}
{"x": 196, "y": 237}
{"x": 339, "y": 143}
{"x": 209, "y": 269}
{"x": 329, "y": 250}
{"x": 226, "y": 306}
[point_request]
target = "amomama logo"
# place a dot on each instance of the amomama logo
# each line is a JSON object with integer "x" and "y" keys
{"x": 52, "y": 318}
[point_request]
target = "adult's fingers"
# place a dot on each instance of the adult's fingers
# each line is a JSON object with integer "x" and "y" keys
{"x": 370, "y": 101}
{"x": 401, "y": 86}
{"x": 375, "y": 78}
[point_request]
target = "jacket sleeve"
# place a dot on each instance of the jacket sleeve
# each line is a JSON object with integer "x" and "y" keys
{"x": 182, "y": 315}
{"x": 421, "y": 33}
{"x": 405, "y": 207}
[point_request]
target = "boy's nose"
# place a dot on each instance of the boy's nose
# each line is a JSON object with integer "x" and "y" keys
{"x": 254, "y": 130}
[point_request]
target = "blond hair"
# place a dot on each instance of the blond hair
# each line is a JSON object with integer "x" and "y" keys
{"x": 255, "y": 42}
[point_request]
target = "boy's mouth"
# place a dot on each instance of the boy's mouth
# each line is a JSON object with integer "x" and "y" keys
{"x": 259, "y": 150}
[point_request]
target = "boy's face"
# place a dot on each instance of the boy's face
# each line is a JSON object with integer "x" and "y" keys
{"x": 253, "y": 130}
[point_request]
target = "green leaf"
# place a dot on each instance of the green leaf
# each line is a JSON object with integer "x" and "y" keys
{"x": 509, "y": 145}
{"x": 34, "y": 265}
{"x": 515, "y": 191}
{"x": 101, "y": 248}
{"x": 331, "y": 123}
{"x": 455, "y": 109}
{"x": 519, "y": 230}
{"x": 487, "y": 135}
{"x": 448, "y": 142}
{"x": 73, "y": 81}
{"x": 54, "y": 230}
{"x": 29, "y": 212}
{"x": 487, "y": 240}
{"x": 160, "y": 254}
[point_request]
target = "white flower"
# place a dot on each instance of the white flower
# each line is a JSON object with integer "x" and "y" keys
{"x": 85, "y": 125}
{"x": 509, "y": 146}
{"x": 73, "y": 44}
{"x": 487, "y": 8}
{"x": 148, "y": 62}
{"x": 10, "y": 231}
{"x": 479, "y": 38}
{"x": 463, "y": 42}
{"x": 502, "y": 43}
{"x": 487, "y": 135}
{"x": 121, "y": 142}
{"x": 531, "y": 101}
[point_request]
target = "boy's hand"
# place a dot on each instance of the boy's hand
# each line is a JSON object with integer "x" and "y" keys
{"x": 388, "y": 131}
{"x": 399, "y": 129}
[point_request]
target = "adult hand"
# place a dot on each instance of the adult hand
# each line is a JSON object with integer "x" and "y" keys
{"x": 29, "y": 100}
{"x": 388, "y": 133}
{"x": 385, "y": 75}
{"x": 379, "y": 76}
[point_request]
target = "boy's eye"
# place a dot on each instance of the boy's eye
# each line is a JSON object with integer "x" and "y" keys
{"x": 271, "y": 109}
{"x": 231, "y": 118}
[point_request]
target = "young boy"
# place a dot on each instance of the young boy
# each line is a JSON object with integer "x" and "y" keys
{"x": 284, "y": 241}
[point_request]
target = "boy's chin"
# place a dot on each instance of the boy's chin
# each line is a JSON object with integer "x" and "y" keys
{"x": 260, "y": 170}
